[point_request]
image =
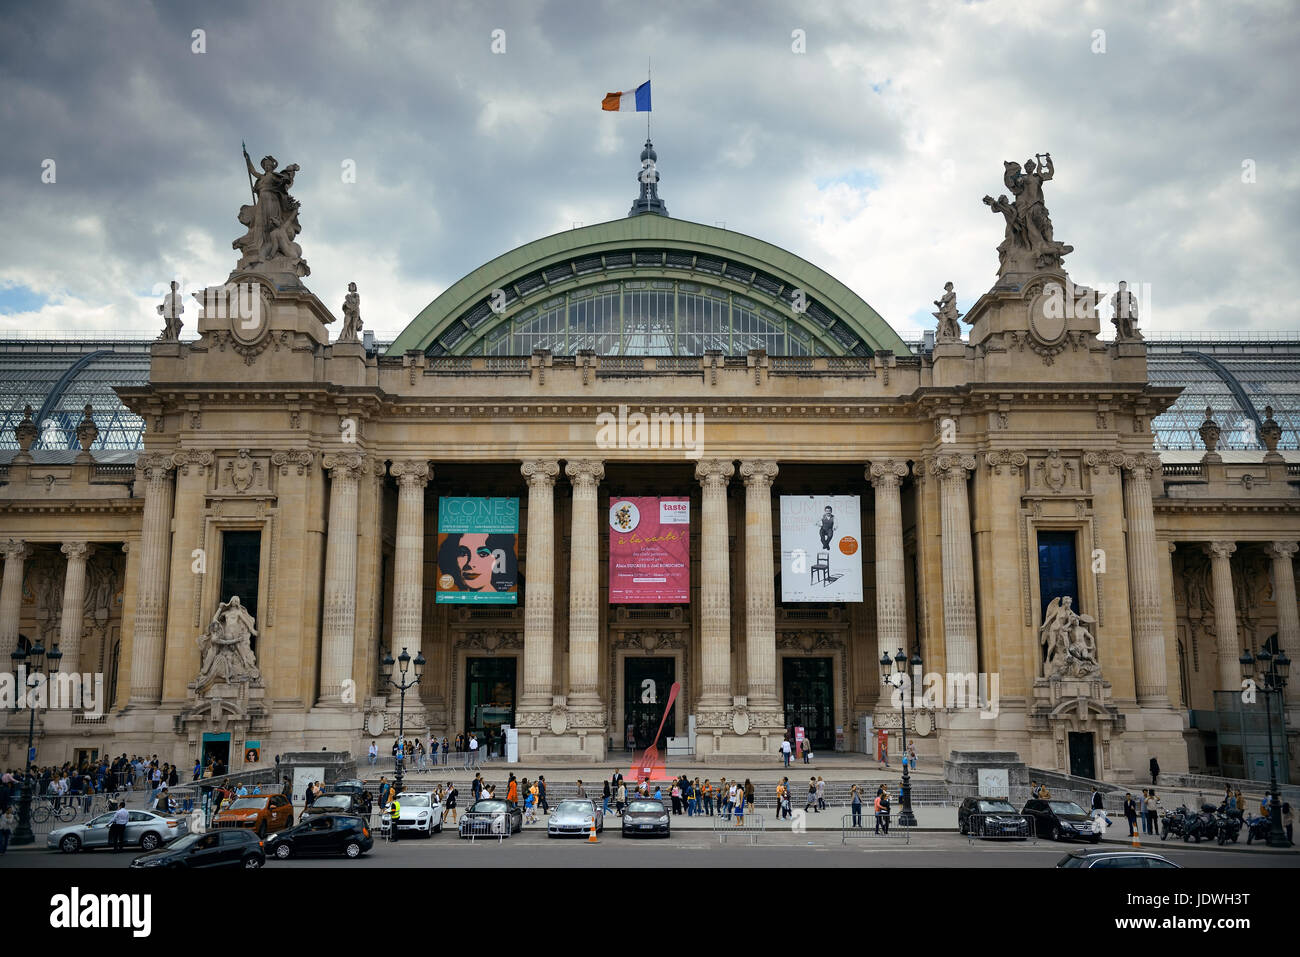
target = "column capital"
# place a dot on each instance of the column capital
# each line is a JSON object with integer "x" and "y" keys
{"x": 714, "y": 473}
{"x": 156, "y": 466}
{"x": 952, "y": 467}
{"x": 1015, "y": 459}
{"x": 197, "y": 457}
{"x": 76, "y": 550}
{"x": 885, "y": 473}
{"x": 540, "y": 473}
{"x": 758, "y": 472}
{"x": 1142, "y": 466}
{"x": 1283, "y": 550}
{"x": 15, "y": 550}
{"x": 585, "y": 473}
{"x": 411, "y": 473}
{"x": 1222, "y": 550}
{"x": 302, "y": 458}
{"x": 344, "y": 465}
{"x": 1111, "y": 460}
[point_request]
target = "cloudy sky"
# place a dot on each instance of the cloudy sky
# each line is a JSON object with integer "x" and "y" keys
{"x": 1174, "y": 137}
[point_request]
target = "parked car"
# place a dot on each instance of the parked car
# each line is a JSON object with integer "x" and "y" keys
{"x": 341, "y": 803}
{"x": 575, "y": 817}
{"x": 1091, "y": 857}
{"x": 322, "y": 834}
{"x": 1061, "y": 819}
{"x": 993, "y": 817}
{"x": 229, "y": 847}
{"x": 491, "y": 817}
{"x": 145, "y": 828}
{"x": 420, "y": 812}
{"x": 262, "y": 813}
{"x": 643, "y": 817}
{"x": 350, "y": 786}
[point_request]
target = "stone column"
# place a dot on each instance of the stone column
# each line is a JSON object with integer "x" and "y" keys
{"x": 715, "y": 585}
{"x": 539, "y": 595}
{"x": 959, "y": 635}
{"x": 886, "y": 478}
{"x": 408, "y": 560}
{"x": 151, "y": 595}
{"x": 1225, "y": 615}
{"x": 339, "y": 615}
{"x": 1144, "y": 584}
{"x": 584, "y": 584}
{"x": 760, "y": 603}
{"x": 1288, "y": 620}
{"x": 11, "y": 597}
{"x": 74, "y": 605}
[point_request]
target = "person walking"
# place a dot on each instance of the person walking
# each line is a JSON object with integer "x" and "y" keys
{"x": 605, "y": 798}
{"x": 821, "y": 794}
{"x": 512, "y": 789}
{"x": 811, "y": 803}
{"x": 372, "y": 754}
{"x": 881, "y": 808}
{"x": 786, "y": 751}
{"x": 855, "y": 801}
{"x": 582, "y": 791}
{"x": 1130, "y": 813}
{"x": 541, "y": 795}
{"x": 473, "y": 750}
{"x": 620, "y": 798}
{"x": 1154, "y": 768}
{"x": 911, "y": 756}
{"x": 740, "y": 807}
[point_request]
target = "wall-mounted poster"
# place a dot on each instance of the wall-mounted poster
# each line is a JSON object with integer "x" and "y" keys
{"x": 649, "y": 550}
{"x": 821, "y": 548}
{"x": 478, "y": 556}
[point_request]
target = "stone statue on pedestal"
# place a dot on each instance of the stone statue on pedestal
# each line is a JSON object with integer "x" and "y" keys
{"x": 949, "y": 329}
{"x": 1071, "y": 649}
{"x": 1126, "y": 312}
{"x": 1027, "y": 246}
{"x": 351, "y": 315}
{"x": 225, "y": 649}
{"x": 272, "y": 220}
{"x": 171, "y": 309}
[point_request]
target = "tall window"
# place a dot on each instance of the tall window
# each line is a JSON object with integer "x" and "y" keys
{"x": 241, "y": 556}
{"x": 1058, "y": 572}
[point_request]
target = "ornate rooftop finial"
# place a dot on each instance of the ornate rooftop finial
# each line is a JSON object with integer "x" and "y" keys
{"x": 648, "y": 177}
{"x": 25, "y": 431}
{"x": 1210, "y": 431}
{"x": 1270, "y": 432}
{"x": 87, "y": 432}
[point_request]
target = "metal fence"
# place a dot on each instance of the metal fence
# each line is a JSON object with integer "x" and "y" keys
{"x": 478, "y": 824}
{"x": 749, "y": 826}
{"x": 871, "y": 825}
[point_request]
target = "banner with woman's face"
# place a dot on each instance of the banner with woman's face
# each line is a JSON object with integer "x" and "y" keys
{"x": 478, "y": 558}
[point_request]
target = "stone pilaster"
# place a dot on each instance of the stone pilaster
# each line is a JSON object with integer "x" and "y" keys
{"x": 74, "y": 601}
{"x": 1144, "y": 582}
{"x": 539, "y": 596}
{"x": 715, "y": 585}
{"x": 408, "y": 560}
{"x": 959, "y": 634}
{"x": 1225, "y": 615}
{"x": 338, "y": 623}
{"x": 760, "y": 602}
{"x": 151, "y": 596}
{"x": 886, "y": 478}
{"x": 584, "y": 584}
{"x": 11, "y": 597}
{"x": 1288, "y": 620}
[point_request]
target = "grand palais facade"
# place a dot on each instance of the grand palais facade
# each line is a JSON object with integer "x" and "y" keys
{"x": 456, "y": 493}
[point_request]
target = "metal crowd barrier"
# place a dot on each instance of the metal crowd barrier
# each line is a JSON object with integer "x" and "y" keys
{"x": 487, "y": 824}
{"x": 749, "y": 826}
{"x": 874, "y": 825}
{"x": 980, "y": 828}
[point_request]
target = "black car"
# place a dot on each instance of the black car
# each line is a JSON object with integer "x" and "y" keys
{"x": 351, "y": 787}
{"x": 490, "y": 817}
{"x": 228, "y": 847}
{"x": 645, "y": 817}
{"x": 1061, "y": 819}
{"x": 1108, "y": 858}
{"x": 343, "y": 802}
{"x": 991, "y": 817}
{"x": 322, "y": 834}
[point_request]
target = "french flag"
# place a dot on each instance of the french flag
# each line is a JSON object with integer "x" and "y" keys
{"x": 629, "y": 101}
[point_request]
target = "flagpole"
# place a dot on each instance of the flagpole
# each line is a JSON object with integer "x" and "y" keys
{"x": 647, "y": 112}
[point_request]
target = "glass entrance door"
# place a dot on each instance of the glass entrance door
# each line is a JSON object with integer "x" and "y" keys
{"x": 489, "y": 699}
{"x": 1081, "y": 754}
{"x": 809, "y": 699}
{"x": 646, "y": 683}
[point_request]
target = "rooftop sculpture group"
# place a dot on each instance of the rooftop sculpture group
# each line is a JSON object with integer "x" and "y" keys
{"x": 1028, "y": 246}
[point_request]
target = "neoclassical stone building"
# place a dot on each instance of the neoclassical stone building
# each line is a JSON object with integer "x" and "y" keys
{"x": 999, "y": 469}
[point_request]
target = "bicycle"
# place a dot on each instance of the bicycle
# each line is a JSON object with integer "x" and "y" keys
{"x": 46, "y": 809}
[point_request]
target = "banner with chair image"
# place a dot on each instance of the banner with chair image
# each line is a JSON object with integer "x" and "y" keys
{"x": 821, "y": 548}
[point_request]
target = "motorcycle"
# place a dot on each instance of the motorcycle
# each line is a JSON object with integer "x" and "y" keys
{"x": 1174, "y": 822}
{"x": 1202, "y": 826}
{"x": 1229, "y": 825}
{"x": 1257, "y": 829}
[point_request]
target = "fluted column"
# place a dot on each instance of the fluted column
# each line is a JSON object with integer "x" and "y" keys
{"x": 151, "y": 595}
{"x": 1225, "y": 615}
{"x": 408, "y": 559}
{"x": 891, "y": 593}
{"x": 1288, "y": 619}
{"x": 1144, "y": 583}
{"x": 339, "y": 620}
{"x": 584, "y": 583}
{"x": 760, "y": 602}
{"x": 959, "y": 636}
{"x": 11, "y": 597}
{"x": 74, "y": 605}
{"x": 715, "y": 584}
{"x": 539, "y": 595}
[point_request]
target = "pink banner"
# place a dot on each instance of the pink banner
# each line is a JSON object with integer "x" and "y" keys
{"x": 649, "y": 550}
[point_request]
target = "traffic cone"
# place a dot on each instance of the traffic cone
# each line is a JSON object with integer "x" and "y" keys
{"x": 1136, "y": 841}
{"x": 592, "y": 838}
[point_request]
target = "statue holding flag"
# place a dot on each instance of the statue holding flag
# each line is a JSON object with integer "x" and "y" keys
{"x": 272, "y": 222}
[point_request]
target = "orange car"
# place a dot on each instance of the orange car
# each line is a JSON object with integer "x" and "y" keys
{"x": 262, "y": 813}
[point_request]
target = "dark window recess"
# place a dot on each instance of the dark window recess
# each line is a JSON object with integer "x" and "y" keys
{"x": 1058, "y": 571}
{"x": 241, "y": 558}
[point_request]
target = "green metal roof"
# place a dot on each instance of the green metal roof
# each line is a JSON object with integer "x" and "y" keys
{"x": 628, "y": 234}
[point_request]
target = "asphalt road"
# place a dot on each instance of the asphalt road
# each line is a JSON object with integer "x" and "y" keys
{"x": 700, "y": 849}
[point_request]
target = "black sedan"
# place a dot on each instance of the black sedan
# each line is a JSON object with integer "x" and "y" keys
{"x": 227, "y": 847}
{"x": 644, "y": 818}
{"x": 1061, "y": 819}
{"x": 322, "y": 834}
{"x": 991, "y": 817}
{"x": 491, "y": 817}
{"x": 341, "y": 803}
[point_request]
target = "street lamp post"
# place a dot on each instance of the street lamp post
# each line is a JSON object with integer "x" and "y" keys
{"x": 41, "y": 663}
{"x": 404, "y": 664}
{"x": 894, "y": 673}
{"x": 1271, "y": 678}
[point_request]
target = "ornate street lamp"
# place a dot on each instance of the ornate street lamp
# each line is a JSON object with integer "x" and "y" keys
{"x": 1270, "y": 678}
{"x": 895, "y": 674}
{"x": 39, "y": 666}
{"x": 404, "y": 665}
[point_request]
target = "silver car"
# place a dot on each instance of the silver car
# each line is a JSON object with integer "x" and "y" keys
{"x": 575, "y": 817}
{"x": 144, "y": 828}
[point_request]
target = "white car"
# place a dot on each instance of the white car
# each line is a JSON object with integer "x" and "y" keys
{"x": 420, "y": 813}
